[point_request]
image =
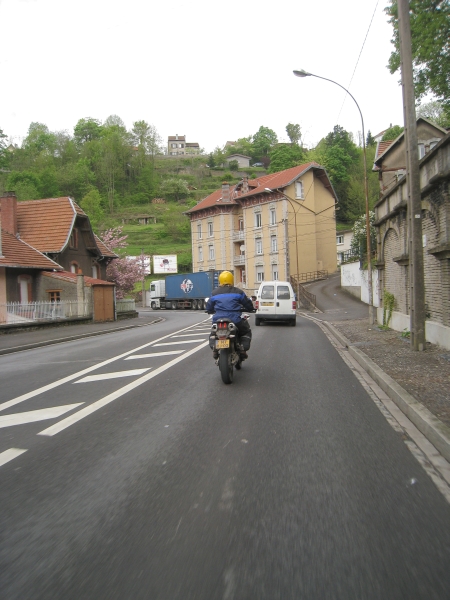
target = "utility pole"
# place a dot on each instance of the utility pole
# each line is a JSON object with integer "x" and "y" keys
{"x": 415, "y": 250}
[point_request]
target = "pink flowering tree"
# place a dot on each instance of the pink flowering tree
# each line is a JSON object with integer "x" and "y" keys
{"x": 124, "y": 272}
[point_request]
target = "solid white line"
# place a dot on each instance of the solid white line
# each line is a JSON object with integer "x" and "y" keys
{"x": 59, "y": 382}
{"x": 154, "y": 354}
{"x": 116, "y": 375}
{"x": 8, "y": 455}
{"x": 36, "y": 415}
{"x": 176, "y": 343}
{"x": 84, "y": 412}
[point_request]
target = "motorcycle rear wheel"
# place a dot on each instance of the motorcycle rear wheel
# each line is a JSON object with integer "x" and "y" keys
{"x": 226, "y": 366}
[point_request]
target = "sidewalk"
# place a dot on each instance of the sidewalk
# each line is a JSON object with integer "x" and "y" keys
{"x": 46, "y": 335}
{"x": 418, "y": 382}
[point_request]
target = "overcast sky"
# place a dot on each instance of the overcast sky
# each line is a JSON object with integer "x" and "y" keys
{"x": 213, "y": 71}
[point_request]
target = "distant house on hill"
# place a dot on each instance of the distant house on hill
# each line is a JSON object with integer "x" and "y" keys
{"x": 177, "y": 146}
{"x": 242, "y": 160}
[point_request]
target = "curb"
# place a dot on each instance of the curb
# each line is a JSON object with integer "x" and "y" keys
{"x": 432, "y": 428}
{"x": 70, "y": 338}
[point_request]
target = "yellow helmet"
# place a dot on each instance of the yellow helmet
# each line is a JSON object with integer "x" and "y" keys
{"x": 226, "y": 278}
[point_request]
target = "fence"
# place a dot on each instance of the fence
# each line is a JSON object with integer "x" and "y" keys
{"x": 125, "y": 305}
{"x": 15, "y": 312}
{"x": 310, "y": 276}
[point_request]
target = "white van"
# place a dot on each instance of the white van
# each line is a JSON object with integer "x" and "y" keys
{"x": 275, "y": 301}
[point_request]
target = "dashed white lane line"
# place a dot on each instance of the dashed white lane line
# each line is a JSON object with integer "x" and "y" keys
{"x": 10, "y": 454}
{"x": 116, "y": 375}
{"x": 59, "y": 382}
{"x": 36, "y": 415}
{"x": 179, "y": 342}
{"x": 189, "y": 335}
{"x": 84, "y": 412}
{"x": 134, "y": 357}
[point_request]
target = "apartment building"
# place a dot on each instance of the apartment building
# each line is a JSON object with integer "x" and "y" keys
{"x": 177, "y": 146}
{"x": 273, "y": 227}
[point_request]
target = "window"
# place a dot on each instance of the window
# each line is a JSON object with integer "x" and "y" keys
{"x": 199, "y": 231}
{"x": 340, "y": 239}
{"x": 241, "y": 224}
{"x": 272, "y": 217}
{"x": 73, "y": 240}
{"x": 74, "y": 267}
{"x": 54, "y": 295}
{"x": 283, "y": 292}
{"x": 210, "y": 229}
{"x": 421, "y": 150}
{"x": 299, "y": 189}
{"x": 200, "y": 253}
{"x": 258, "y": 220}
{"x": 259, "y": 246}
{"x": 275, "y": 272}
{"x": 95, "y": 271}
{"x": 273, "y": 243}
{"x": 259, "y": 274}
{"x": 268, "y": 292}
{"x": 24, "y": 282}
{"x": 174, "y": 145}
{"x": 211, "y": 253}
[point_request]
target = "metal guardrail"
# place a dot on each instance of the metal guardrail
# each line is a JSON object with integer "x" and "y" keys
{"x": 310, "y": 276}
{"x": 15, "y": 312}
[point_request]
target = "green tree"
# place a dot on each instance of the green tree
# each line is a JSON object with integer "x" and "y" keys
{"x": 92, "y": 206}
{"x": 25, "y": 183}
{"x": 359, "y": 238}
{"x": 263, "y": 140}
{"x": 211, "y": 161}
{"x": 4, "y": 158}
{"x": 370, "y": 140}
{"x": 285, "y": 156}
{"x": 430, "y": 35}
{"x": 392, "y": 133}
{"x": 233, "y": 165}
{"x": 174, "y": 188}
{"x": 294, "y": 133}
{"x": 87, "y": 130}
{"x": 435, "y": 112}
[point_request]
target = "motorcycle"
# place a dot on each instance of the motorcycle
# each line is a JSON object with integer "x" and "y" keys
{"x": 224, "y": 338}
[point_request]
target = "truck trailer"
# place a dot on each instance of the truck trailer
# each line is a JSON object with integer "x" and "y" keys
{"x": 188, "y": 290}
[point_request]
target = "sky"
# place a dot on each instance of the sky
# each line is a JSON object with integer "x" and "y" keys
{"x": 212, "y": 71}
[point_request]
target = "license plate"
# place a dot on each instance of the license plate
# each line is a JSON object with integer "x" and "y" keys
{"x": 266, "y": 303}
{"x": 222, "y": 343}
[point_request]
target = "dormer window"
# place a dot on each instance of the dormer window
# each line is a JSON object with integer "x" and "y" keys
{"x": 73, "y": 240}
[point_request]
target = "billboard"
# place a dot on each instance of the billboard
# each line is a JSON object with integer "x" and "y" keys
{"x": 165, "y": 263}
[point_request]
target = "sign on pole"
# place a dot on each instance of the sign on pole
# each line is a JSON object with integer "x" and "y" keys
{"x": 165, "y": 263}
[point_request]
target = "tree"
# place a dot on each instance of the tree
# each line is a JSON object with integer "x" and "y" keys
{"x": 359, "y": 239}
{"x": 430, "y": 35}
{"x": 285, "y": 156}
{"x": 370, "y": 140}
{"x": 233, "y": 165}
{"x": 175, "y": 189}
{"x": 392, "y": 133}
{"x": 87, "y": 130}
{"x": 294, "y": 133}
{"x": 25, "y": 183}
{"x": 211, "y": 161}
{"x": 92, "y": 206}
{"x": 3, "y": 150}
{"x": 124, "y": 272}
{"x": 435, "y": 112}
{"x": 263, "y": 140}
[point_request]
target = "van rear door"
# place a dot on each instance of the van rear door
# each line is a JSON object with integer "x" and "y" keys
{"x": 283, "y": 300}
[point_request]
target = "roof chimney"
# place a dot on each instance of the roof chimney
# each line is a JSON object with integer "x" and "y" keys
{"x": 225, "y": 192}
{"x": 244, "y": 188}
{"x": 176, "y": 136}
{"x": 8, "y": 208}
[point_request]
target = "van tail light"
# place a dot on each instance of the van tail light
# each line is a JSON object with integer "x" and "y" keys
{"x": 294, "y": 304}
{"x": 257, "y": 304}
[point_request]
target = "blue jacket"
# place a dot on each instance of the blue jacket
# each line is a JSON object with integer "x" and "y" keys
{"x": 228, "y": 302}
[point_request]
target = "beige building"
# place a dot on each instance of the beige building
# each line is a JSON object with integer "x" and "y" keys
{"x": 177, "y": 146}
{"x": 273, "y": 227}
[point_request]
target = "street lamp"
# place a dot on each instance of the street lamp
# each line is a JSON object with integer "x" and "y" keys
{"x": 303, "y": 73}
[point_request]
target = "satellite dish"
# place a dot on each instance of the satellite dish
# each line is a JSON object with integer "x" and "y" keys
{"x": 242, "y": 248}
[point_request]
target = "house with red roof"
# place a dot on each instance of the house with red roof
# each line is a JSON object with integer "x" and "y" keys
{"x": 277, "y": 226}
{"x": 47, "y": 248}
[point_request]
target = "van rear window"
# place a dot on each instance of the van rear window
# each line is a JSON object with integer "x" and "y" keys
{"x": 267, "y": 293}
{"x": 283, "y": 292}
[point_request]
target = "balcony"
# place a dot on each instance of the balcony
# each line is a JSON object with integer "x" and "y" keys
{"x": 238, "y": 236}
{"x": 239, "y": 259}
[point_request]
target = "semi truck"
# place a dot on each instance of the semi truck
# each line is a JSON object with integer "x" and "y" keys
{"x": 188, "y": 290}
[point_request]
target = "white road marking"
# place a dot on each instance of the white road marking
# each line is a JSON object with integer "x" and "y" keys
{"x": 180, "y": 342}
{"x": 8, "y": 455}
{"x": 84, "y": 412}
{"x": 189, "y": 335}
{"x": 116, "y": 375}
{"x": 59, "y": 382}
{"x": 36, "y": 415}
{"x": 154, "y": 354}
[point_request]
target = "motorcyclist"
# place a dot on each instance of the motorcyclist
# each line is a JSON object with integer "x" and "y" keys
{"x": 228, "y": 302}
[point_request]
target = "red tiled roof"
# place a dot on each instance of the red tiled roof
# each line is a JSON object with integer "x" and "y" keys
{"x": 104, "y": 249}
{"x": 72, "y": 278}
{"x": 47, "y": 224}
{"x": 281, "y": 179}
{"x": 176, "y": 138}
{"x": 18, "y": 254}
{"x": 382, "y": 147}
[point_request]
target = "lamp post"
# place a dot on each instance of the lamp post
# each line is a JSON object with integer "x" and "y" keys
{"x": 303, "y": 73}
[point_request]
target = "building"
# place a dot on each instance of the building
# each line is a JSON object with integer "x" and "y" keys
{"x": 274, "y": 227}
{"x": 242, "y": 160}
{"x": 391, "y": 222}
{"x": 177, "y": 146}
{"x": 343, "y": 245}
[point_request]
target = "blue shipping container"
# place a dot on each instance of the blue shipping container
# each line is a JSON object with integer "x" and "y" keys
{"x": 188, "y": 286}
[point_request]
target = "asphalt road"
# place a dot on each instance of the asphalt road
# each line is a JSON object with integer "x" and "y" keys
{"x": 165, "y": 484}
